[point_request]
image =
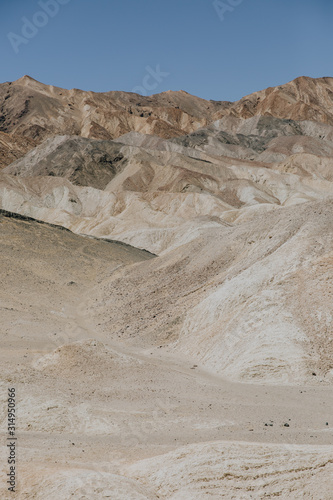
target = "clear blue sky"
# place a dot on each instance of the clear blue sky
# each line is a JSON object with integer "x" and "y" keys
{"x": 106, "y": 45}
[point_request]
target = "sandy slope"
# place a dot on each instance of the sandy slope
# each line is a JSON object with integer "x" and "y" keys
{"x": 100, "y": 418}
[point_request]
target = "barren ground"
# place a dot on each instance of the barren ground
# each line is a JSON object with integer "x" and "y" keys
{"x": 100, "y": 418}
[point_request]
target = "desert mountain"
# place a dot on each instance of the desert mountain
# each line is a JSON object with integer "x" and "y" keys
{"x": 38, "y": 111}
{"x": 83, "y": 161}
{"x": 212, "y": 192}
{"x": 167, "y": 284}
{"x": 261, "y": 138}
{"x": 302, "y": 99}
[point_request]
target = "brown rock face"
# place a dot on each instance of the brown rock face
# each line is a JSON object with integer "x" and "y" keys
{"x": 38, "y": 111}
{"x": 302, "y": 99}
{"x": 13, "y": 147}
{"x": 31, "y": 111}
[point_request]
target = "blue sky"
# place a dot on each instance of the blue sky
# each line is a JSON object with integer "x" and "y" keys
{"x": 220, "y": 53}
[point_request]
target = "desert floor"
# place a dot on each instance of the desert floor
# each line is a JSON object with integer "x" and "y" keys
{"x": 101, "y": 418}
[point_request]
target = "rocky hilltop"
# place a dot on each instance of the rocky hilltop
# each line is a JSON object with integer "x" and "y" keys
{"x": 302, "y": 99}
{"x": 37, "y": 111}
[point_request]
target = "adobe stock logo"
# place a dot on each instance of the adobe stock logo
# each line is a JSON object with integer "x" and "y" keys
{"x": 151, "y": 81}
{"x": 40, "y": 19}
{"x": 222, "y": 8}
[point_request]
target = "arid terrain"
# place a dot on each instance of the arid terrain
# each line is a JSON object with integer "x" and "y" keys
{"x": 167, "y": 293}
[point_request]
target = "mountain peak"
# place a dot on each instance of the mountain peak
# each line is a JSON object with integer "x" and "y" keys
{"x": 26, "y": 79}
